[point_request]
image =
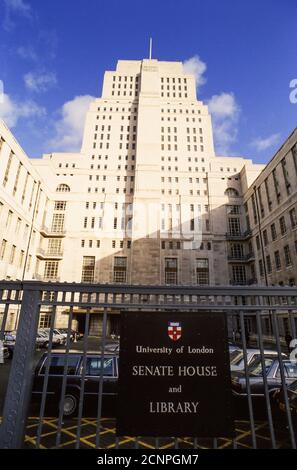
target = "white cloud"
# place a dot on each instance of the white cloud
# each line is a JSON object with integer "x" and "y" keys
{"x": 11, "y": 110}
{"x": 27, "y": 52}
{"x": 197, "y": 67}
{"x": 69, "y": 129}
{"x": 19, "y": 6}
{"x": 266, "y": 143}
{"x": 225, "y": 113}
{"x": 40, "y": 82}
{"x": 15, "y": 7}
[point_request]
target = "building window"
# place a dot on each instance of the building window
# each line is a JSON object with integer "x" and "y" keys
{"x": 45, "y": 320}
{"x": 58, "y": 223}
{"x": 88, "y": 269}
{"x": 25, "y": 187}
{"x": 265, "y": 237}
{"x": 268, "y": 264}
{"x": 237, "y": 250}
{"x": 282, "y": 224}
{"x": 293, "y": 218}
{"x": 231, "y": 192}
{"x": 3, "y": 249}
{"x": 277, "y": 260}
{"x": 202, "y": 272}
{"x": 288, "y": 260}
{"x": 6, "y": 175}
{"x": 17, "y": 179}
{"x": 51, "y": 270}
{"x": 60, "y": 206}
{"x": 273, "y": 232}
{"x": 63, "y": 188}
{"x": 261, "y": 267}
{"x": 238, "y": 275}
{"x": 120, "y": 269}
{"x": 54, "y": 246}
{"x": 234, "y": 226}
{"x": 170, "y": 270}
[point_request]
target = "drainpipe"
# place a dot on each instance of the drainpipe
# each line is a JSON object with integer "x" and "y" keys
{"x": 262, "y": 251}
{"x": 28, "y": 248}
{"x": 260, "y": 234}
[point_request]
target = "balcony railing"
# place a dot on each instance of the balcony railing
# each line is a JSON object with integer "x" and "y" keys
{"x": 242, "y": 258}
{"x": 49, "y": 254}
{"x": 239, "y": 235}
{"x": 40, "y": 277}
{"x": 52, "y": 232}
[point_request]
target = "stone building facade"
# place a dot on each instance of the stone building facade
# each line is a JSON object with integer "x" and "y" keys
{"x": 146, "y": 201}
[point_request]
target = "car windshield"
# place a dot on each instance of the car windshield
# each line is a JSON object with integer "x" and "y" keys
{"x": 41, "y": 334}
{"x": 94, "y": 366}
{"x": 235, "y": 357}
{"x": 58, "y": 363}
{"x": 290, "y": 370}
{"x": 293, "y": 386}
{"x": 256, "y": 367}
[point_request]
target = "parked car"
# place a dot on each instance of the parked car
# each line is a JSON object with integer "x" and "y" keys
{"x": 41, "y": 339}
{"x": 73, "y": 334}
{"x": 237, "y": 357}
{"x": 4, "y": 353}
{"x": 255, "y": 374}
{"x": 112, "y": 346}
{"x": 292, "y": 398}
{"x": 9, "y": 343}
{"x": 58, "y": 338}
{"x": 74, "y": 380}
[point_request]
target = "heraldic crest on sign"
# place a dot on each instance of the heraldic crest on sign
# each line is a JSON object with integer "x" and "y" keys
{"x": 174, "y": 330}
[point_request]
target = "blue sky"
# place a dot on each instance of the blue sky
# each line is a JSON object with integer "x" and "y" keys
{"x": 53, "y": 55}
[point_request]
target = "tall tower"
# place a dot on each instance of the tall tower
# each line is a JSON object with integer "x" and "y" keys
{"x": 149, "y": 142}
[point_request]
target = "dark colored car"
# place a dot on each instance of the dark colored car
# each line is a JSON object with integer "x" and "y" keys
{"x": 292, "y": 398}
{"x": 75, "y": 381}
{"x": 255, "y": 373}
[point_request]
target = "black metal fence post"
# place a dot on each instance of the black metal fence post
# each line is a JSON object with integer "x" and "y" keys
{"x": 19, "y": 387}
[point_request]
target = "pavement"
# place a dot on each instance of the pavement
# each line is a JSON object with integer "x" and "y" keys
{"x": 69, "y": 438}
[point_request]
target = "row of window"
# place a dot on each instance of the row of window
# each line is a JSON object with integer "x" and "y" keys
{"x": 191, "y": 192}
{"x": 190, "y": 148}
{"x": 273, "y": 180}
{"x": 117, "y": 190}
{"x": 123, "y": 110}
{"x": 104, "y": 178}
{"x": 28, "y": 179}
{"x": 288, "y": 260}
{"x": 174, "y": 119}
{"x": 283, "y": 228}
{"x": 170, "y": 270}
{"x": 16, "y": 224}
{"x": 173, "y": 94}
{"x": 119, "y": 168}
{"x": 97, "y": 243}
{"x": 104, "y": 117}
{"x": 181, "y": 111}
{"x": 177, "y": 245}
{"x": 120, "y": 157}
{"x": 174, "y": 80}
{"x": 190, "y": 169}
{"x": 105, "y": 145}
{"x": 12, "y": 255}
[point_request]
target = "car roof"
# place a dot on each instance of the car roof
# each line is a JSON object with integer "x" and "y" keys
{"x": 75, "y": 352}
{"x": 266, "y": 351}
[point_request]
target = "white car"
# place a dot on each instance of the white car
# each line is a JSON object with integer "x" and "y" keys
{"x": 58, "y": 338}
{"x": 237, "y": 357}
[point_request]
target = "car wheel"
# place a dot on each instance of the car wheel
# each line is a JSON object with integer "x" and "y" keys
{"x": 70, "y": 405}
